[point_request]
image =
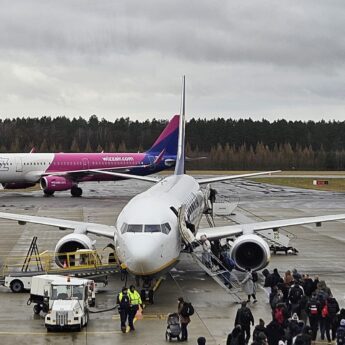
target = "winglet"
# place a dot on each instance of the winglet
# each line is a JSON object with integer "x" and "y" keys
{"x": 179, "y": 167}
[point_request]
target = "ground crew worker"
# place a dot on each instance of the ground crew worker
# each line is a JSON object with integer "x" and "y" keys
{"x": 135, "y": 302}
{"x": 124, "y": 307}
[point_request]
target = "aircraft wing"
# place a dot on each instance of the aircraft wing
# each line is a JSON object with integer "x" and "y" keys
{"x": 239, "y": 229}
{"x": 76, "y": 174}
{"x": 233, "y": 177}
{"x": 63, "y": 224}
{"x": 128, "y": 176}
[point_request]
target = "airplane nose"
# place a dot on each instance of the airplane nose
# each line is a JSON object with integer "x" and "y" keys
{"x": 144, "y": 255}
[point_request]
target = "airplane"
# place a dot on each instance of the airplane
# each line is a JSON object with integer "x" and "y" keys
{"x": 63, "y": 171}
{"x": 154, "y": 226}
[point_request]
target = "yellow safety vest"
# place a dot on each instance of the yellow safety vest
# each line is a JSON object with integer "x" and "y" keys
{"x": 134, "y": 297}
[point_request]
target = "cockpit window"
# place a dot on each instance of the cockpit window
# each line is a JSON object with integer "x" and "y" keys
{"x": 135, "y": 228}
{"x": 124, "y": 228}
{"x": 152, "y": 228}
{"x": 166, "y": 228}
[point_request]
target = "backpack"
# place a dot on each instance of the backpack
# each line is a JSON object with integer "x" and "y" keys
{"x": 324, "y": 311}
{"x": 313, "y": 309}
{"x": 245, "y": 316}
{"x": 279, "y": 315}
{"x": 187, "y": 309}
{"x": 341, "y": 336}
{"x": 255, "y": 277}
{"x": 296, "y": 294}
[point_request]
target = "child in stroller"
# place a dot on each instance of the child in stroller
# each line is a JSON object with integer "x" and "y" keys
{"x": 173, "y": 328}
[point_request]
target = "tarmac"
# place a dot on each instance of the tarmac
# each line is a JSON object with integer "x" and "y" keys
{"x": 321, "y": 252}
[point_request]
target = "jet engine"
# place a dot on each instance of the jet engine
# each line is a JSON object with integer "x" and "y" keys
{"x": 55, "y": 183}
{"x": 71, "y": 243}
{"x": 250, "y": 251}
{"x": 17, "y": 185}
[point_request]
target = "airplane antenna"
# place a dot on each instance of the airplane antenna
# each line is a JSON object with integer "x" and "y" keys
{"x": 179, "y": 167}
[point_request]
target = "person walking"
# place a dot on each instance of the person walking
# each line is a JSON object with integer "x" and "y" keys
{"x": 341, "y": 333}
{"x": 184, "y": 318}
{"x": 206, "y": 254}
{"x": 249, "y": 285}
{"x": 135, "y": 302}
{"x": 236, "y": 337}
{"x": 124, "y": 306}
{"x": 244, "y": 317}
{"x": 313, "y": 310}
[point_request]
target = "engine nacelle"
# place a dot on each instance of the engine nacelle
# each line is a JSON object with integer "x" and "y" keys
{"x": 250, "y": 251}
{"x": 55, "y": 183}
{"x": 71, "y": 243}
{"x": 17, "y": 185}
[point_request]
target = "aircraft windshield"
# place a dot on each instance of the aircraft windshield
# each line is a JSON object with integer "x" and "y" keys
{"x": 134, "y": 228}
{"x": 147, "y": 228}
{"x": 152, "y": 228}
{"x": 67, "y": 292}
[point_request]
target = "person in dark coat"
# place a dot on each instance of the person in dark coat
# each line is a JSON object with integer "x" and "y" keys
{"x": 275, "y": 332}
{"x": 276, "y": 277}
{"x": 267, "y": 283}
{"x": 123, "y": 302}
{"x": 244, "y": 317}
{"x": 236, "y": 337}
{"x": 313, "y": 310}
{"x": 308, "y": 285}
{"x": 258, "y": 329}
{"x": 184, "y": 320}
{"x": 333, "y": 309}
{"x": 341, "y": 333}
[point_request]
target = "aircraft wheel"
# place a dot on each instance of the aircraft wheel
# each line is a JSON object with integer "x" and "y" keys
{"x": 48, "y": 192}
{"x": 76, "y": 191}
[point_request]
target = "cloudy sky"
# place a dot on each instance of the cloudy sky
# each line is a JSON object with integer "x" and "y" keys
{"x": 271, "y": 59}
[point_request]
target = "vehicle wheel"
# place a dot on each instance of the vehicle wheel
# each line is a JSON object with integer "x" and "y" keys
{"x": 76, "y": 191}
{"x": 151, "y": 294}
{"x": 37, "y": 309}
{"x": 17, "y": 286}
{"x": 48, "y": 192}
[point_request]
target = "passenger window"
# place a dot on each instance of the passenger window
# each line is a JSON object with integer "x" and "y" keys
{"x": 135, "y": 228}
{"x": 166, "y": 228}
{"x": 152, "y": 228}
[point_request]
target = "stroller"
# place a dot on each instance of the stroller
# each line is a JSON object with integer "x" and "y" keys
{"x": 173, "y": 328}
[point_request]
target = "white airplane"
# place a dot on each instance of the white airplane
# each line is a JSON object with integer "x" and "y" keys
{"x": 149, "y": 236}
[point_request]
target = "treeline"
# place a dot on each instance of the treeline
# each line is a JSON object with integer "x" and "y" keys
{"x": 228, "y": 144}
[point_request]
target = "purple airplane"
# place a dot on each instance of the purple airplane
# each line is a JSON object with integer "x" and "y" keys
{"x": 64, "y": 171}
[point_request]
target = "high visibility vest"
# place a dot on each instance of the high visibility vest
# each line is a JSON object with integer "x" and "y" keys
{"x": 126, "y": 300}
{"x": 134, "y": 297}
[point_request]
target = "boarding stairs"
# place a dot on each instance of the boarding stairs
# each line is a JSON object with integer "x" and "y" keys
{"x": 228, "y": 280}
{"x": 209, "y": 262}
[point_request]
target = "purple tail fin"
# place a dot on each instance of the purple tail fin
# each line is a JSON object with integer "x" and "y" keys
{"x": 168, "y": 139}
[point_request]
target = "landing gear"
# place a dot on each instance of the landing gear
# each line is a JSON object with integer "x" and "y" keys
{"x": 147, "y": 292}
{"x": 48, "y": 192}
{"x": 76, "y": 191}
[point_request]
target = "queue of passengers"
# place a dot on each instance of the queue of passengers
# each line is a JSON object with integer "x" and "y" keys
{"x": 301, "y": 307}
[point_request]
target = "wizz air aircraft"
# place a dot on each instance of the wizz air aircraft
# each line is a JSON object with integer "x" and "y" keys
{"x": 63, "y": 171}
{"x": 153, "y": 227}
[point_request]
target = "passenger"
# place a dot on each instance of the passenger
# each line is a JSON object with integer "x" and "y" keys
{"x": 295, "y": 295}
{"x": 313, "y": 310}
{"x": 236, "y": 337}
{"x": 297, "y": 277}
{"x": 268, "y": 283}
{"x": 333, "y": 309}
{"x": 206, "y": 255}
{"x": 260, "y": 328}
{"x": 249, "y": 286}
{"x": 276, "y": 277}
{"x": 124, "y": 305}
{"x": 201, "y": 341}
{"x": 308, "y": 285}
{"x": 341, "y": 333}
{"x": 135, "y": 302}
{"x": 275, "y": 333}
{"x": 288, "y": 278}
{"x": 184, "y": 318}
{"x": 244, "y": 317}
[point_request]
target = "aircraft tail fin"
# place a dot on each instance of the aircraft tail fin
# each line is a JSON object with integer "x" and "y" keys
{"x": 180, "y": 159}
{"x": 168, "y": 139}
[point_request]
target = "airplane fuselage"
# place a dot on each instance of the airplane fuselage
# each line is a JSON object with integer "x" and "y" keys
{"x": 29, "y": 168}
{"x": 148, "y": 239}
